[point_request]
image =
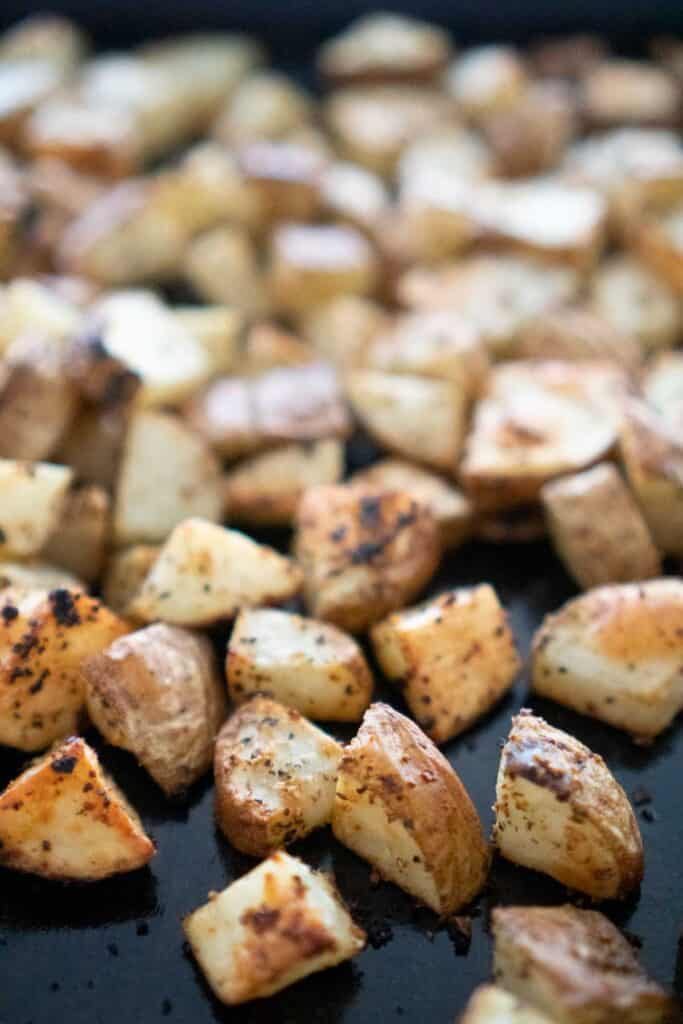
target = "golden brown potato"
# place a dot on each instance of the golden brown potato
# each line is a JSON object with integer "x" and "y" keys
{"x": 490, "y": 1004}
{"x": 363, "y": 553}
{"x": 559, "y": 810}
{"x": 266, "y": 105}
{"x": 265, "y": 490}
{"x": 568, "y": 56}
{"x": 355, "y": 195}
{"x": 486, "y": 80}
{"x": 275, "y": 777}
{"x": 267, "y": 346}
{"x": 401, "y": 806}
{"x": 82, "y": 534}
{"x": 435, "y": 215}
{"x": 574, "y": 965}
{"x": 125, "y": 572}
{"x": 662, "y": 385}
{"x": 576, "y": 333}
{"x": 14, "y": 207}
{"x": 222, "y": 266}
{"x": 25, "y": 84}
{"x": 63, "y": 818}
{"x": 453, "y": 656}
{"x": 158, "y": 694}
{"x": 635, "y": 301}
{"x": 304, "y": 663}
{"x": 442, "y": 157}
{"x": 629, "y": 92}
{"x": 614, "y": 654}
{"x": 283, "y": 178}
{"x": 659, "y": 243}
{"x": 32, "y": 495}
{"x": 44, "y": 640}
{"x": 277, "y": 924}
{"x": 217, "y": 329}
{"x": 530, "y": 137}
{"x": 205, "y": 573}
{"x": 342, "y": 329}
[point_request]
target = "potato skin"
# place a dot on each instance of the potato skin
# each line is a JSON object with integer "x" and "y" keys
{"x": 157, "y": 693}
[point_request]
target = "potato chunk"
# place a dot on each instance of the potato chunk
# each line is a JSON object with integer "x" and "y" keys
{"x": 486, "y": 79}
{"x": 63, "y": 818}
{"x": 31, "y": 500}
{"x": 275, "y": 777}
{"x": 277, "y": 924}
{"x": 615, "y": 654}
{"x": 125, "y": 573}
{"x": 363, "y": 553}
{"x": 662, "y": 385}
{"x": 158, "y": 694}
{"x": 401, "y": 806}
{"x": 82, "y": 535}
{"x": 35, "y": 575}
{"x": 575, "y": 966}
{"x": 222, "y": 266}
{"x": 266, "y": 105}
{"x": 559, "y": 810}
{"x": 577, "y": 333}
{"x": 454, "y": 656}
{"x": 628, "y": 91}
{"x": 597, "y": 528}
{"x": 205, "y": 573}
{"x": 217, "y": 329}
{"x": 659, "y": 243}
{"x": 306, "y": 664}
{"x": 634, "y": 300}
{"x": 490, "y": 1004}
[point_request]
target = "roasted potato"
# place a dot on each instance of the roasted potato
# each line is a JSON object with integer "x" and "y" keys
{"x": 29, "y": 307}
{"x": 32, "y": 496}
{"x": 275, "y": 776}
{"x": 217, "y": 329}
{"x": 529, "y": 137}
{"x": 662, "y": 385}
{"x": 559, "y": 810}
{"x": 342, "y": 329}
{"x": 158, "y": 694}
{"x": 659, "y": 243}
{"x": 575, "y": 966}
{"x": 64, "y": 818}
{"x": 486, "y": 79}
{"x": 576, "y": 333}
{"x": 490, "y": 1004}
{"x": 92, "y": 445}
{"x": 125, "y": 573}
{"x": 48, "y": 37}
{"x": 401, "y": 806}
{"x": 267, "y": 346}
{"x": 266, "y": 105}
{"x": 614, "y": 654}
{"x": 277, "y": 924}
{"x": 283, "y": 178}
{"x": 304, "y": 663}
{"x": 222, "y": 266}
{"x": 27, "y": 576}
{"x": 635, "y": 301}
{"x": 354, "y": 195}
{"x": 363, "y": 553}
{"x": 205, "y": 573}
{"x": 81, "y": 537}
{"x": 630, "y": 92}
{"x": 453, "y": 656}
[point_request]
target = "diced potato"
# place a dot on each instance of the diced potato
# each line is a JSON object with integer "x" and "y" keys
{"x": 31, "y": 500}
{"x": 265, "y": 490}
{"x": 205, "y": 573}
{"x": 454, "y": 656}
{"x": 268, "y": 347}
{"x": 400, "y": 805}
{"x": 304, "y": 663}
{"x": 342, "y": 329}
{"x": 415, "y": 417}
{"x": 518, "y": 525}
{"x": 63, "y": 818}
{"x": 158, "y": 694}
{"x": 530, "y": 137}
{"x": 208, "y": 193}
{"x": 266, "y": 105}
{"x": 363, "y": 553}
{"x": 25, "y": 84}
{"x": 635, "y": 301}
{"x": 125, "y": 573}
{"x": 31, "y": 307}
{"x": 630, "y": 92}
{"x": 277, "y": 924}
{"x": 26, "y": 576}
{"x": 167, "y": 474}
{"x": 222, "y": 266}
{"x": 458, "y": 154}
{"x": 662, "y": 385}
{"x": 275, "y": 777}
{"x": 49, "y": 37}
{"x": 92, "y": 445}
{"x": 44, "y": 641}
{"x": 559, "y": 810}
{"x": 576, "y": 333}
{"x": 575, "y": 966}
{"x": 284, "y": 179}
{"x": 82, "y": 534}
{"x": 451, "y": 509}
{"x": 490, "y": 1004}
{"x": 486, "y": 79}
{"x": 354, "y": 194}
{"x": 217, "y": 329}
{"x": 436, "y": 216}
{"x": 614, "y": 654}
{"x": 659, "y": 242}
{"x": 567, "y": 56}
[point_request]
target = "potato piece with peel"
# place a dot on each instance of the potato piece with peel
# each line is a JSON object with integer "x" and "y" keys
{"x": 659, "y": 243}
{"x": 158, "y": 694}
{"x": 451, "y": 509}
{"x": 82, "y": 535}
{"x": 304, "y": 663}
{"x": 354, "y": 195}
{"x": 530, "y": 137}
{"x": 37, "y": 400}
{"x": 575, "y": 966}
{"x": 559, "y": 810}
{"x": 615, "y": 654}
{"x": 634, "y": 300}
{"x": 217, "y": 328}
{"x": 401, "y": 806}
{"x": 125, "y": 573}
{"x": 167, "y": 474}
{"x": 35, "y": 575}
{"x": 205, "y": 573}
{"x": 32, "y": 495}
{"x": 280, "y": 922}
{"x": 363, "y": 553}
{"x": 577, "y": 333}
{"x": 621, "y": 92}
{"x": 454, "y": 657}
{"x": 64, "y": 818}
{"x": 275, "y": 776}
{"x": 490, "y": 1004}
{"x": 486, "y": 80}
{"x": 283, "y": 178}
{"x": 92, "y": 445}
{"x": 415, "y": 417}
{"x": 597, "y": 528}
{"x": 267, "y": 346}
{"x": 265, "y": 490}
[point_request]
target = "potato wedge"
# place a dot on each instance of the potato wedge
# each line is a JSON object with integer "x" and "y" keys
{"x": 530, "y": 137}
{"x": 30, "y": 307}
{"x": 597, "y": 528}
{"x": 486, "y": 80}
{"x": 277, "y": 924}
{"x": 614, "y": 654}
{"x": 635, "y": 301}
{"x": 559, "y": 810}
{"x": 64, "y": 818}
{"x": 82, "y": 535}
{"x": 401, "y": 806}
{"x": 275, "y": 776}
{"x": 265, "y": 490}
{"x": 304, "y": 663}
{"x": 158, "y": 694}
{"x": 32, "y": 495}
{"x": 490, "y": 1004}
{"x": 454, "y": 657}
{"x": 575, "y": 966}
{"x": 577, "y": 333}
{"x": 126, "y": 570}
{"x": 155, "y": 492}
{"x": 205, "y": 573}
{"x": 363, "y": 553}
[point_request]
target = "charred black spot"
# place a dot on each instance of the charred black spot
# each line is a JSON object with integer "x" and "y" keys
{"x": 9, "y": 613}
{"x": 371, "y": 512}
{"x": 64, "y": 608}
{"x": 64, "y": 765}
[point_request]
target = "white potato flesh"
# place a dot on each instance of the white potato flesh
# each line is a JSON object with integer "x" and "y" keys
{"x": 577, "y": 333}
{"x": 560, "y": 811}
{"x": 354, "y": 194}
{"x": 486, "y": 79}
{"x": 454, "y": 657}
{"x": 63, "y": 818}
{"x": 615, "y": 654}
{"x": 342, "y": 329}
{"x": 636, "y": 301}
{"x": 491, "y": 1004}
{"x": 37, "y": 575}
{"x": 280, "y": 922}
{"x": 662, "y": 386}
{"x": 205, "y": 573}
{"x": 275, "y": 776}
{"x": 28, "y": 306}
{"x": 222, "y": 266}
{"x": 31, "y": 499}
{"x": 124, "y": 574}
{"x": 217, "y": 329}
{"x": 266, "y": 105}
{"x": 306, "y": 664}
